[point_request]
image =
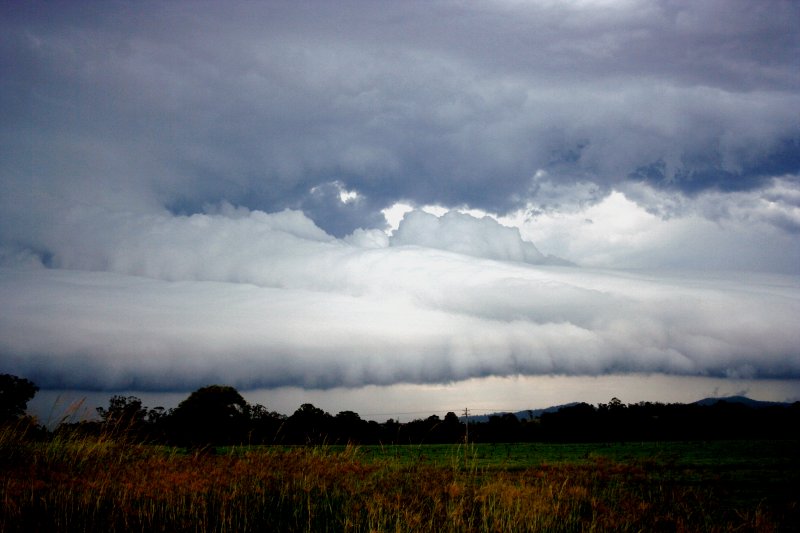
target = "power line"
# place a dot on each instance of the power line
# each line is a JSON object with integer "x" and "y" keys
{"x": 434, "y": 411}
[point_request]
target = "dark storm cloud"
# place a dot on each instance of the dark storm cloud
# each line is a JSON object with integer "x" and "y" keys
{"x": 261, "y": 104}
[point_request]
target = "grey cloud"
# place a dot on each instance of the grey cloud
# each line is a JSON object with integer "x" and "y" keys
{"x": 776, "y": 204}
{"x": 260, "y": 104}
{"x": 343, "y": 214}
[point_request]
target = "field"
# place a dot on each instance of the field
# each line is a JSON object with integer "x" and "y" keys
{"x": 74, "y": 483}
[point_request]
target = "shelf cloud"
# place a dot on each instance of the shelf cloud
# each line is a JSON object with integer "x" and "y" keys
{"x": 203, "y": 193}
{"x": 263, "y": 300}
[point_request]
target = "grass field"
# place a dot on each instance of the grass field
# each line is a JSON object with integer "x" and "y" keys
{"x": 778, "y": 453}
{"x": 98, "y": 484}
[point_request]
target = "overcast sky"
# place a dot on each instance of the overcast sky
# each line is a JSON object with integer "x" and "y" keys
{"x": 382, "y": 202}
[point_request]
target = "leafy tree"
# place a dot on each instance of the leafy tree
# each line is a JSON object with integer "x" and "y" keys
{"x": 451, "y": 430}
{"x": 212, "y": 415}
{"x": 123, "y": 412}
{"x": 309, "y": 425}
{"x": 431, "y": 430}
{"x": 127, "y": 415}
{"x": 350, "y": 427}
{"x": 390, "y": 431}
{"x": 15, "y": 393}
{"x": 265, "y": 425}
{"x": 575, "y": 423}
{"x": 614, "y": 421}
{"x": 503, "y": 428}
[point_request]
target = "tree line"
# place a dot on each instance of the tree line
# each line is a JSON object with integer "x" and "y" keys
{"x": 219, "y": 415}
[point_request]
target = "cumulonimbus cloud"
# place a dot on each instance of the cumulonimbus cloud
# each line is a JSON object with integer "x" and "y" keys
{"x": 261, "y": 300}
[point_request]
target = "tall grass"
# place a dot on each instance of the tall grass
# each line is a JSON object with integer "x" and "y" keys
{"x": 74, "y": 482}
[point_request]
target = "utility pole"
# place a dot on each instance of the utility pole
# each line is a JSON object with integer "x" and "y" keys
{"x": 466, "y": 424}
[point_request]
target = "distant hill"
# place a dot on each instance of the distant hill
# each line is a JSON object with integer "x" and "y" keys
{"x": 536, "y": 413}
{"x": 522, "y": 415}
{"x": 740, "y": 399}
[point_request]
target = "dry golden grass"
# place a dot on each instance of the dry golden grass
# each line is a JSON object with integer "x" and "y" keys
{"x": 76, "y": 483}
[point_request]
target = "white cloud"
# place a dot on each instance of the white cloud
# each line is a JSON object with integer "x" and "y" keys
{"x": 395, "y": 213}
{"x": 645, "y": 228}
{"x": 255, "y": 299}
{"x": 465, "y": 234}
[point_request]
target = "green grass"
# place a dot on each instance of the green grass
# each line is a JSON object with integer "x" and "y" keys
{"x": 721, "y": 454}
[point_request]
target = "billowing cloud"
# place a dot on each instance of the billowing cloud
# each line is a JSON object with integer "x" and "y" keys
{"x": 262, "y": 300}
{"x": 647, "y": 228}
{"x": 465, "y": 234}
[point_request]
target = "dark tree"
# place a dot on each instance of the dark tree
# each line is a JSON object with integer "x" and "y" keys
{"x": 428, "y": 431}
{"x": 574, "y": 423}
{"x": 213, "y": 415}
{"x": 451, "y": 429}
{"x": 15, "y": 393}
{"x": 265, "y": 425}
{"x": 390, "y": 431}
{"x": 503, "y": 428}
{"x": 123, "y": 412}
{"x": 614, "y": 421}
{"x": 126, "y": 416}
{"x": 350, "y": 428}
{"x": 309, "y": 425}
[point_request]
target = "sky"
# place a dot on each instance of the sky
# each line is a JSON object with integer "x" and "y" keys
{"x": 401, "y": 208}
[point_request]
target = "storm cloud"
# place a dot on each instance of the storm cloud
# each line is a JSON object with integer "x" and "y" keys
{"x": 195, "y": 193}
{"x": 262, "y": 300}
{"x": 267, "y": 105}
